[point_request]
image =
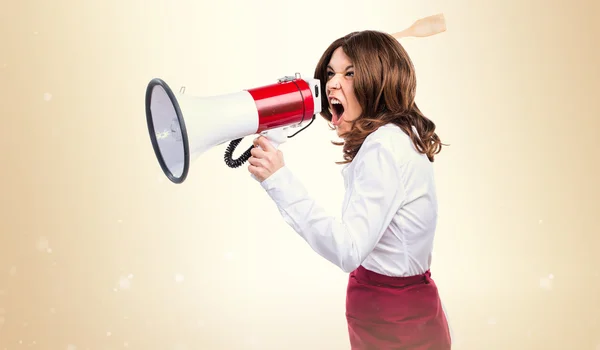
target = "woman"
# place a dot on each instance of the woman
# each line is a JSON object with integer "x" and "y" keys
{"x": 385, "y": 236}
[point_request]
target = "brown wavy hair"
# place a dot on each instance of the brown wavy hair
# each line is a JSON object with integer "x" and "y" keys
{"x": 385, "y": 86}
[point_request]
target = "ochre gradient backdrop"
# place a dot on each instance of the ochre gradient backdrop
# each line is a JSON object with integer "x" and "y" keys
{"x": 99, "y": 251}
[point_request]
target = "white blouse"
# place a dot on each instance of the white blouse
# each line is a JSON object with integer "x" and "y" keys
{"x": 389, "y": 211}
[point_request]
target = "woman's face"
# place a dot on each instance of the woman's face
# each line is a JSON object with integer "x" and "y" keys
{"x": 343, "y": 104}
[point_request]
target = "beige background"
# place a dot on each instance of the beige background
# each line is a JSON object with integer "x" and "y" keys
{"x": 100, "y": 251}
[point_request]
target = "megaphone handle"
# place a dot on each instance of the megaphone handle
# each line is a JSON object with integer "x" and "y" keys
{"x": 276, "y": 137}
{"x": 273, "y": 143}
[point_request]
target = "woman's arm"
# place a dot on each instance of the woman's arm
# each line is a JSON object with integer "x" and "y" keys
{"x": 375, "y": 195}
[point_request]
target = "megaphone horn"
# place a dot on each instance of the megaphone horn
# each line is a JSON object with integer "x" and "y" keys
{"x": 270, "y": 110}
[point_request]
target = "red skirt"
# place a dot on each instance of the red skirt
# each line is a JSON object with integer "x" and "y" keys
{"x": 386, "y": 313}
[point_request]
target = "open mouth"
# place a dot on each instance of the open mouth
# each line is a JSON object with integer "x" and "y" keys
{"x": 337, "y": 109}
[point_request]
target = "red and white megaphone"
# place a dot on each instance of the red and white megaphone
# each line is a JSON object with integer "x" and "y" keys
{"x": 271, "y": 110}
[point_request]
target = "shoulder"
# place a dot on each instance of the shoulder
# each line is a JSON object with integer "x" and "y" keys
{"x": 389, "y": 139}
{"x": 382, "y": 153}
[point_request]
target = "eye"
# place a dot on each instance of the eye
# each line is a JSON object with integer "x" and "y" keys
{"x": 350, "y": 74}
{"x": 329, "y": 74}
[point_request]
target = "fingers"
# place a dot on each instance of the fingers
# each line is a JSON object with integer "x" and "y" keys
{"x": 254, "y": 170}
{"x": 258, "y": 162}
{"x": 264, "y": 143}
{"x": 268, "y": 156}
{"x": 255, "y": 142}
{"x": 258, "y": 153}
{"x": 265, "y": 159}
{"x": 259, "y": 172}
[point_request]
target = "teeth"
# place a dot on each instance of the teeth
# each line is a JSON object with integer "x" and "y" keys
{"x": 335, "y": 101}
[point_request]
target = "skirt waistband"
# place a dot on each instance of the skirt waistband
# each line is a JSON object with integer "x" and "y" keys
{"x": 369, "y": 277}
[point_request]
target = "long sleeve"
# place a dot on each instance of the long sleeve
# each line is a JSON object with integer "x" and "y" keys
{"x": 375, "y": 194}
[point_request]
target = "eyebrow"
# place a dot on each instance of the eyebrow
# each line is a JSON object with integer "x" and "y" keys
{"x": 350, "y": 66}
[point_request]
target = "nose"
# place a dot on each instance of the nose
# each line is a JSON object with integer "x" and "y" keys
{"x": 333, "y": 83}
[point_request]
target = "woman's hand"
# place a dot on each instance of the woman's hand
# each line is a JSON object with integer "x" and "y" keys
{"x": 265, "y": 160}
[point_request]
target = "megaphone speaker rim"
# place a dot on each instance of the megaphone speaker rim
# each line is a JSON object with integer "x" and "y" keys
{"x": 186, "y": 164}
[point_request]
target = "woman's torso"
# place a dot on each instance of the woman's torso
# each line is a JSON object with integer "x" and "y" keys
{"x": 406, "y": 246}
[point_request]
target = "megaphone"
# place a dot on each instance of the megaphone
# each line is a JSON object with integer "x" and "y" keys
{"x": 271, "y": 110}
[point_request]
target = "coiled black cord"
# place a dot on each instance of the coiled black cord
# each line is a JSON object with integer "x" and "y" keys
{"x": 236, "y": 163}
